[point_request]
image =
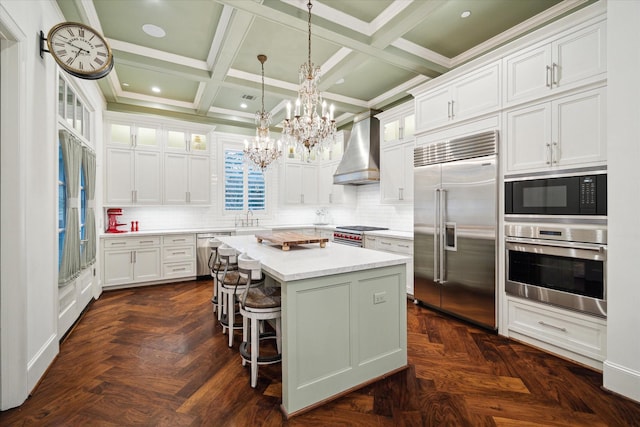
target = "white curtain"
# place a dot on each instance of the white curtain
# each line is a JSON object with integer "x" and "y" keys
{"x": 89, "y": 167}
{"x": 72, "y": 159}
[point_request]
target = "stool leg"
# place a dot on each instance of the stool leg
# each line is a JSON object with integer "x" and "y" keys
{"x": 255, "y": 348}
{"x": 245, "y": 333}
{"x": 231, "y": 318}
{"x": 214, "y": 299}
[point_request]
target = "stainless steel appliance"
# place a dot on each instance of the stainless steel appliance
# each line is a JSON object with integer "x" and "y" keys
{"x": 455, "y": 196}
{"x": 203, "y": 251}
{"x": 352, "y": 234}
{"x": 582, "y": 195}
{"x": 563, "y": 265}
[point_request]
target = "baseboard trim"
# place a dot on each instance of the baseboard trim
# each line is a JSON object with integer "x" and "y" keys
{"x": 621, "y": 380}
{"x": 37, "y": 366}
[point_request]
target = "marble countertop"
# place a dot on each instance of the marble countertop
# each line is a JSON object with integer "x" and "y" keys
{"x": 310, "y": 260}
{"x": 391, "y": 233}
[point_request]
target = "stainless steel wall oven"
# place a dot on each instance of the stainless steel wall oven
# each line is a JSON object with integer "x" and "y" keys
{"x": 562, "y": 265}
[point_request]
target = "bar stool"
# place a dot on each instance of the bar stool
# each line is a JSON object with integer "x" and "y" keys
{"x": 214, "y": 266}
{"x": 257, "y": 304}
{"x": 229, "y": 284}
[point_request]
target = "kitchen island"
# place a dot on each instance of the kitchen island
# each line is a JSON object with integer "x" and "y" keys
{"x": 344, "y": 322}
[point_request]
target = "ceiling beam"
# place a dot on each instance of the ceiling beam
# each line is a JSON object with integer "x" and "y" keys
{"x": 410, "y": 17}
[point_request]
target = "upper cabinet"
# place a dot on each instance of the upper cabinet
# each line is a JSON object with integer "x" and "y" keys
{"x": 562, "y": 63}
{"x": 185, "y": 141}
{"x": 397, "y": 142}
{"x": 142, "y": 136}
{"x": 470, "y": 95}
{"x": 569, "y": 131}
{"x": 155, "y": 162}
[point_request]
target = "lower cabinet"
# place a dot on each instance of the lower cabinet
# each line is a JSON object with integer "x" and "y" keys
{"x": 133, "y": 260}
{"x": 573, "y": 335}
{"x": 395, "y": 245}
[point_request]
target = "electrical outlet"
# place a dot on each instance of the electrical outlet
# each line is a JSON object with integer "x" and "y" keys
{"x": 379, "y": 297}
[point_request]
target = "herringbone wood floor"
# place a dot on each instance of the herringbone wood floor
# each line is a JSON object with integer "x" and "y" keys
{"x": 155, "y": 357}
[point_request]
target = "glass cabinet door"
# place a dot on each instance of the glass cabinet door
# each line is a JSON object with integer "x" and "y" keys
{"x": 198, "y": 142}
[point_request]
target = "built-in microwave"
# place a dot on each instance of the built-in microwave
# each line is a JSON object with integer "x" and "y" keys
{"x": 558, "y": 195}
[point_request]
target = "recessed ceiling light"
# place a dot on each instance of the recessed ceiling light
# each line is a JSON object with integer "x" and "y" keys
{"x": 153, "y": 30}
{"x": 339, "y": 81}
{"x": 243, "y": 105}
{"x": 155, "y": 89}
{"x": 125, "y": 84}
{"x": 465, "y": 14}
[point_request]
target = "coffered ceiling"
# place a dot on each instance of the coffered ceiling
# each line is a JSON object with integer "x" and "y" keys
{"x": 370, "y": 51}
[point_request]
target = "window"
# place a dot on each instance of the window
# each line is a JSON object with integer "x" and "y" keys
{"x": 83, "y": 213}
{"x": 244, "y": 188}
{"x": 62, "y": 204}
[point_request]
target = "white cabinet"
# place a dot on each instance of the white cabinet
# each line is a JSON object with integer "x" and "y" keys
{"x": 396, "y": 154}
{"x": 571, "y": 60}
{"x": 132, "y": 177}
{"x": 394, "y": 245}
{"x": 123, "y": 134}
{"x": 573, "y": 335}
{"x": 178, "y": 256}
{"x": 300, "y": 182}
{"x": 566, "y": 132}
{"x": 471, "y": 95}
{"x": 186, "y": 179}
{"x": 396, "y": 173}
{"x": 181, "y": 141}
{"x": 328, "y": 192}
{"x": 131, "y": 260}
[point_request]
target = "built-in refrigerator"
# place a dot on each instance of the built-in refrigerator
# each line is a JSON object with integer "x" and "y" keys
{"x": 455, "y": 221}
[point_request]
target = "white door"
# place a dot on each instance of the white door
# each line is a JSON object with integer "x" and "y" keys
{"x": 119, "y": 176}
{"x": 579, "y": 56}
{"x": 147, "y": 264}
{"x": 391, "y": 173}
{"x": 527, "y": 74}
{"x": 199, "y": 180}
{"x": 293, "y": 183}
{"x": 118, "y": 267}
{"x": 176, "y": 178}
{"x": 476, "y": 93}
{"x": 147, "y": 178}
{"x": 309, "y": 184}
{"x": 579, "y": 130}
{"x": 433, "y": 109}
{"x": 528, "y": 142}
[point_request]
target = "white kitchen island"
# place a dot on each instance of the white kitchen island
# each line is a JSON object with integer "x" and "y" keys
{"x": 344, "y": 322}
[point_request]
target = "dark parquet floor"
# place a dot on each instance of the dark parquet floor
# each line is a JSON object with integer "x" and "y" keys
{"x": 155, "y": 357}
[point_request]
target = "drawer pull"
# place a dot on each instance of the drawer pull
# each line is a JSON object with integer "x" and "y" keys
{"x": 404, "y": 246}
{"x": 179, "y": 269}
{"x": 552, "y": 326}
{"x": 385, "y": 243}
{"x": 179, "y": 240}
{"x": 179, "y": 253}
{"x": 118, "y": 243}
{"x": 146, "y": 241}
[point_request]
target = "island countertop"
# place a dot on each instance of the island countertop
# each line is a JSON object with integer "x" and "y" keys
{"x": 310, "y": 260}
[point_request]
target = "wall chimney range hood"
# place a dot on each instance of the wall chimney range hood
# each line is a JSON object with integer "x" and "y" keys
{"x": 360, "y": 162}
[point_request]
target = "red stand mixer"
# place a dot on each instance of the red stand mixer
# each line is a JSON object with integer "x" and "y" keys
{"x": 113, "y": 215}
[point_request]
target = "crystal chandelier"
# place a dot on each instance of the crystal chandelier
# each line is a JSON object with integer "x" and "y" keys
{"x": 308, "y": 131}
{"x": 262, "y": 150}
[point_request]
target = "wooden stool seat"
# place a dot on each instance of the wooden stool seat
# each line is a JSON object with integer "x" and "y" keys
{"x": 262, "y": 298}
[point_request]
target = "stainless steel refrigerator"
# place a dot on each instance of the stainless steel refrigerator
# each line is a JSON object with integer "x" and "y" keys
{"x": 455, "y": 205}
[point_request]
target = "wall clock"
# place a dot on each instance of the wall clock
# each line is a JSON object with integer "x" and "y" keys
{"x": 79, "y": 50}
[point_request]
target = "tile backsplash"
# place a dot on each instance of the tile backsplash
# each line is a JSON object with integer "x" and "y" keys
{"x": 367, "y": 211}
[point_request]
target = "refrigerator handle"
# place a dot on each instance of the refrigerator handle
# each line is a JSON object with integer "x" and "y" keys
{"x": 436, "y": 236}
{"x": 441, "y": 253}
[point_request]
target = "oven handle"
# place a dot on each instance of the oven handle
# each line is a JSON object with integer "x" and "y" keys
{"x": 568, "y": 249}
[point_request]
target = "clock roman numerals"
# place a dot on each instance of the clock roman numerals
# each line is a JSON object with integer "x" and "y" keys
{"x": 98, "y": 61}
{"x": 80, "y": 50}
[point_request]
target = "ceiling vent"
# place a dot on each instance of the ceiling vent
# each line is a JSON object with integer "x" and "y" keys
{"x": 249, "y": 97}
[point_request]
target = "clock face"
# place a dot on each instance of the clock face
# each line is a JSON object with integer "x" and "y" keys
{"x": 80, "y": 50}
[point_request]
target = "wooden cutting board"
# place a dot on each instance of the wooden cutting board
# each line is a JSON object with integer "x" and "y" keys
{"x": 286, "y": 239}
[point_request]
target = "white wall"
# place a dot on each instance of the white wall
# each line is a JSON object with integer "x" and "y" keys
{"x": 622, "y": 367}
{"x": 29, "y": 273}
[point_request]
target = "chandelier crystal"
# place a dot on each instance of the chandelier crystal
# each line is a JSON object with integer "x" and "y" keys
{"x": 307, "y": 131}
{"x": 262, "y": 151}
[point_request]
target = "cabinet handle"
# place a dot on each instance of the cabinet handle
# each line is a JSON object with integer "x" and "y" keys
{"x": 145, "y": 241}
{"x": 179, "y": 253}
{"x": 118, "y": 243}
{"x": 186, "y": 196}
{"x": 302, "y": 198}
{"x": 548, "y": 77}
{"x": 548, "y": 153}
{"x": 178, "y": 269}
{"x": 449, "y": 109}
{"x": 554, "y": 153}
{"x": 385, "y": 243}
{"x": 178, "y": 240}
{"x": 554, "y": 74}
{"x": 401, "y": 133}
{"x": 404, "y": 246}
{"x": 452, "y": 109}
{"x": 330, "y": 197}
{"x": 552, "y": 326}
{"x": 400, "y": 193}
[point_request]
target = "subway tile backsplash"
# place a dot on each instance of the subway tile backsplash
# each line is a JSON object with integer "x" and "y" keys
{"x": 367, "y": 211}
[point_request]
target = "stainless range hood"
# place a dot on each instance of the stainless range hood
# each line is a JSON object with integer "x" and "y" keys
{"x": 360, "y": 162}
